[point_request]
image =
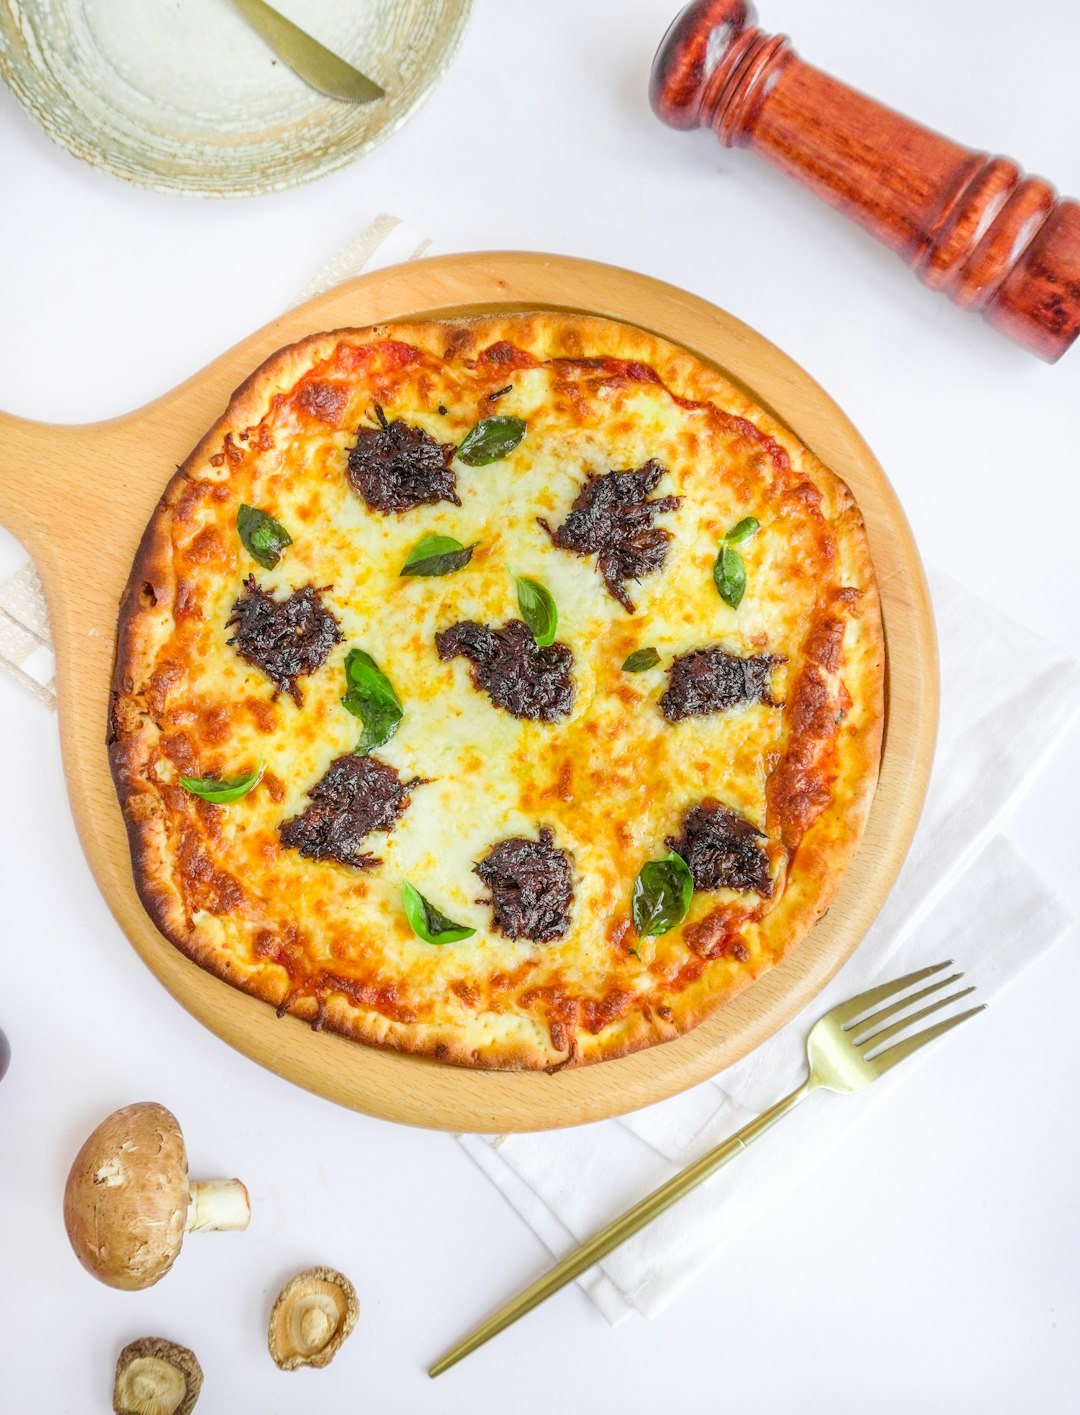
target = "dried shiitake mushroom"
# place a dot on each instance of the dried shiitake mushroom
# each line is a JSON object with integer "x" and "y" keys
{"x": 128, "y": 1202}
{"x": 312, "y": 1316}
{"x": 156, "y": 1377}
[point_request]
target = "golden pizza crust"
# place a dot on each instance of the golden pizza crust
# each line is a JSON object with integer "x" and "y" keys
{"x": 147, "y": 621}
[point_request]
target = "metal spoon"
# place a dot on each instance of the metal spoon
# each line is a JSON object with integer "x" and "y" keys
{"x": 307, "y": 58}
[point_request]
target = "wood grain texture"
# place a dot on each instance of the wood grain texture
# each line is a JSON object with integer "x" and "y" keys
{"x": 968, "y": 224}
{"x": 108, "y": 477}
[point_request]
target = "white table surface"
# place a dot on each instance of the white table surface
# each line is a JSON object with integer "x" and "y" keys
{"x": 932, "y": 1262}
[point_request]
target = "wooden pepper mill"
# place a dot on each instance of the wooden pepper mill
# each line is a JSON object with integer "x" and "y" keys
{"x": 971, "y": 225}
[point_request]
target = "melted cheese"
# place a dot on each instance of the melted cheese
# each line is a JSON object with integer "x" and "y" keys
{"x": 612, "y": 780}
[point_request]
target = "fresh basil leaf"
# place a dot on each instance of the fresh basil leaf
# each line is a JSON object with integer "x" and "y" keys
{"x": 219, "y": 792}
{"x": 491, "y": 440}
{"x": 437, "y": 555}
{"x": 263, "y": 538}
{"x": 369, "y": 696}
{"x": 640, "y": 660}
{"x": 427, "y": 922}
{"x": 729, "y": 573}
{"x": 537, "y": 608}
{"x": 662, "y": 894}
{"x": 748, "y": 526}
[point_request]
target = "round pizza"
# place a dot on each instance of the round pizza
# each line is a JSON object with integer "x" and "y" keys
{"x": 506, "y": 690}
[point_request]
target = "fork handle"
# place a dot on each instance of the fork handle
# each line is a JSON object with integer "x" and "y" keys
{"x": 622, "y": 1228}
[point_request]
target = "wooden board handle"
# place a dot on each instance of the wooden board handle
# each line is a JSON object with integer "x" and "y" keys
{"x": 971, "y": 225}
{"x": 45, "y": 480}
{"x": 24, "y": 491}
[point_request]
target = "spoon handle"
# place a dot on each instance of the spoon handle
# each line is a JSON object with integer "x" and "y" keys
{"x": 306, "y": 57}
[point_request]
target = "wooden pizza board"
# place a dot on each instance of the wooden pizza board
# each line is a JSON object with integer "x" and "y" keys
{"x": 106, "y": 477}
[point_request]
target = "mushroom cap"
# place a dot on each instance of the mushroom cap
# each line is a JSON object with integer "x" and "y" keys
{"x": 126, "y": 1198}
{"x": 312, "y": 1316}
{"x": 156, "y": 1377}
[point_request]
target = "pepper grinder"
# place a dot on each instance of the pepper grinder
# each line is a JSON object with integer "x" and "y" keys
{"x": 972, "y": 225}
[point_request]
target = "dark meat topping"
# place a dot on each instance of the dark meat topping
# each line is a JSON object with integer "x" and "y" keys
{"x": 721, "y": 847}
{"x": 509, "y": 665}
{"x": 396, "y": 466}
{"x": 283, "y": 637}
{"x": 530, "y": 887}
{"x": 356, "y": 796}
{"x": 612, "y": 518}
{"x": 710, "y": 680}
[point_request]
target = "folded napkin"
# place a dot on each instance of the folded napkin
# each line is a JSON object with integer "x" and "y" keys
{"x": 964, "y": 892}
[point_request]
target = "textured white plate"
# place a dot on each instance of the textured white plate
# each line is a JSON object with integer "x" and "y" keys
{"x": 182, "y": 96}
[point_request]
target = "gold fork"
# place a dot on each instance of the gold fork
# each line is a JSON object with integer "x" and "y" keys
{"x": 854, "y": 1044}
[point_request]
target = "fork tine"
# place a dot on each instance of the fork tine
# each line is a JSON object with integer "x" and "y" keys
{"x": 886, "y": 1060}
{"x": 856, "y": 1006}
{"x": 884, "y": 1013}
{"x": 884, "y": 1034}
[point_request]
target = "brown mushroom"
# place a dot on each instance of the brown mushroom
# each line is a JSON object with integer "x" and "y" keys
{"x": 312, "y": 1316}
{"x": 128, "y": 1203}
{"x": 156, "y": 1377}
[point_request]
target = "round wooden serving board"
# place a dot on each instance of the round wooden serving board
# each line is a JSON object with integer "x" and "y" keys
{"x": 107, "y": 478}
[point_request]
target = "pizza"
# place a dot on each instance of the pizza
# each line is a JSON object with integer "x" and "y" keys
{"x": 505, "y": 690}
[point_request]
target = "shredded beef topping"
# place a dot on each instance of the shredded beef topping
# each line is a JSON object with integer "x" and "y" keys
{"x": 396, "y": 466}
{"x": 721, "y": 847}
{"x": 515, "y": 672}
{"x": 284, "y": 637}
{"x": 530, "y": 887}
{"x": 612, "y": 518}
{"x": 356, "y": 796}
{"x": 710, "y": 680}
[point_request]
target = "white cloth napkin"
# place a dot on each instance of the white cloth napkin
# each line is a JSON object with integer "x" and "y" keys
{"x": 965, "y": 892}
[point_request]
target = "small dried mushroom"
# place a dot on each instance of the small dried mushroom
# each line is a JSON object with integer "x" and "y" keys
{"x": 312, "y": 1316}
{"x": 156, "y": 1377}
{"x": 128, "y": 1202}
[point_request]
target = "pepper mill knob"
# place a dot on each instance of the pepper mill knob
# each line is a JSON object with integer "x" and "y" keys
{"x": 968, "y": 224}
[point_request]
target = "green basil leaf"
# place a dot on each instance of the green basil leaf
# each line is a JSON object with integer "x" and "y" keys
{"x": 437, "y": 555}
{"x": 537, "y": 608}
{"x": 662, "y": 894}
{"x": 369, "y": 696}
{"x": 748, "y": 526}
{"x": 640, "y": 660}
{"x": 219, "y": 792}
{"x": 729, "y": 573}
{"x": 427, "y": 922}
{"x": 263, "y": 538}
{"x": 491, "y": 440}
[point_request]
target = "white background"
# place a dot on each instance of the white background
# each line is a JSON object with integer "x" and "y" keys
{"x": 932, "y": 1261}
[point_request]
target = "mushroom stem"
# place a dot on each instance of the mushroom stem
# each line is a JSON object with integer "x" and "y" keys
{"x": 217, "y": 1204}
